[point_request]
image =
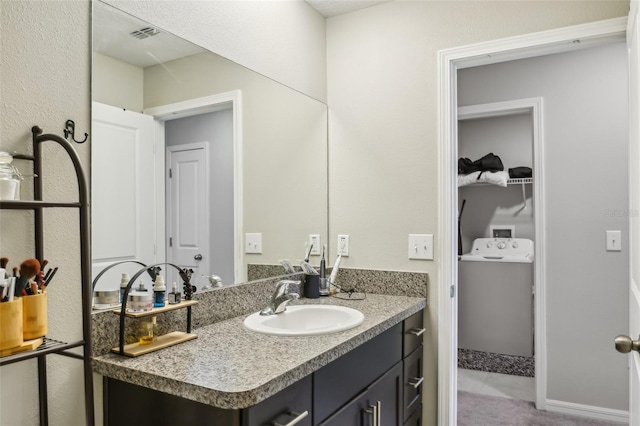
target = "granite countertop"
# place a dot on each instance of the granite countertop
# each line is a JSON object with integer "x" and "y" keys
{"x": 228, "y": 366}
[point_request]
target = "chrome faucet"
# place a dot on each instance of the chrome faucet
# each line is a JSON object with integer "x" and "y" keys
{"x": 286, "y": 291}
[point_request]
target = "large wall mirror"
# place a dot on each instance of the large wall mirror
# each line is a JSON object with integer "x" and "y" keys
{"x": 198, "y": 161}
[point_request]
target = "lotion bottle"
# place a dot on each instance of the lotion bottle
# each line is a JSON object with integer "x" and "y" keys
{"x": 123, "y": 284}
{"x": 175, "y": 296}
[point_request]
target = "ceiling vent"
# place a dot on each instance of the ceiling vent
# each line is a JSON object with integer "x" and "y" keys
{"x": 144, "y": 33}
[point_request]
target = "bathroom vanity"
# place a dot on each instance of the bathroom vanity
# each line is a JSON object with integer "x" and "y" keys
{"x": 371, "y": 374}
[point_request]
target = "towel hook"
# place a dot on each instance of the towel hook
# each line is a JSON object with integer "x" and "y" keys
{"x": 70, "y": 129}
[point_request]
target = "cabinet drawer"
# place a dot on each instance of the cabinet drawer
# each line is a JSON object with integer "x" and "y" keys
{"x": 384, "y": 394}
{"x": 416, "y": 417}
{"x": 282, "y": 407}
{"x": 412, "y": 332}
{"x": 344, "y": 378}
{"x": 413, "y": 377}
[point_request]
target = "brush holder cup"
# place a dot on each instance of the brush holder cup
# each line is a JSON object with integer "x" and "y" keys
{"x": 34, "y": 316}
{"x": 11, "y": 324}
{"x": 311, "y": 286}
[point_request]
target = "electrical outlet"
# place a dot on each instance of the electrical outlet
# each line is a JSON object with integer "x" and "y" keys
{"x": 253, "y": 243}
{"x": 421, "y": 246}
{"x": 315, "y": 240}
{"x": 343, "y": 244}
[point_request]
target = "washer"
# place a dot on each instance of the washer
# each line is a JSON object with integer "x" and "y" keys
{"x": 495, "y": 297}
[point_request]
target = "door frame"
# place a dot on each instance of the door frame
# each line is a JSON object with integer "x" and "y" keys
{"x": 534, "y": 107}
{"x": 449, "y": 61}
{"x": 228, "y": 100}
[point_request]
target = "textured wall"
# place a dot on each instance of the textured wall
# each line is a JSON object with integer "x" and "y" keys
{"x": 383, "y": 98}
{"x": 45, "y": 81}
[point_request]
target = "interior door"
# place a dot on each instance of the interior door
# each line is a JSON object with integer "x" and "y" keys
{"x": 123, "y": 220}
{"x": 188, "y": 210}
{"x": 633, "y": 40}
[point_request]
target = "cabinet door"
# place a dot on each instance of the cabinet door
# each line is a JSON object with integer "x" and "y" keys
{"x": 413, "y": 377}
{"x": 282, "y": 407}
{"x": 340, "y": 381}
{"x": 385, "y": 395}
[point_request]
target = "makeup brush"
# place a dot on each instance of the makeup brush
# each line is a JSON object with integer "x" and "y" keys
{"x": 50, "y": 277}
{"x": 3, "y": 262}
{"x": 41, "y": 273}
{"x": 15, "y": 271}
{"x": 28, "y": 269}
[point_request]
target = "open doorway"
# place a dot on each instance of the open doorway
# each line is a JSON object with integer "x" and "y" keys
{"x": 451, "y": 61}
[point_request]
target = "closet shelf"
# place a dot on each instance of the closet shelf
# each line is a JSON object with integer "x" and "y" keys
{"x": 512, "y": 181}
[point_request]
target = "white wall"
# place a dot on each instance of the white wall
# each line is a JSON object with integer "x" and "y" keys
{"x": 216, "y": 128}
{"x": 383, "y": 94}
{"x": 585, "y": 165}
{"x": 284, "y": 40}
{"x": 117, "y": 83}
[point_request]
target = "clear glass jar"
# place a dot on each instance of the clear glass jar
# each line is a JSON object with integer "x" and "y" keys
{"x": 10, "y": 178}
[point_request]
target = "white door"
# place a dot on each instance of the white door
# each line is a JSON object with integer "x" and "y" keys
{"x": 633, "y": 40}
{"x": 188, "y": 210}
{"x": 123, "y": 203}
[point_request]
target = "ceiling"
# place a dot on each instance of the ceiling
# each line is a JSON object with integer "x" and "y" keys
{"x": 329, "y": 8}
{"x": 113, "y": 31}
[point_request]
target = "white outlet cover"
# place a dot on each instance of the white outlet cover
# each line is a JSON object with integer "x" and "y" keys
{"x": 317, "y": 247}
{"x": 343, "y": 242}
{"x": 421, "y": 246}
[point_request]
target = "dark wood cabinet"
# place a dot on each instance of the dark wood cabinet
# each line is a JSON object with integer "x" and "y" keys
{"x": 378, "y": 378}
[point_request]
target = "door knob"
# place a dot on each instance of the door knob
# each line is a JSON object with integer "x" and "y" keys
{"x": 625, "y": 344}
{"x": 198, "y": 257}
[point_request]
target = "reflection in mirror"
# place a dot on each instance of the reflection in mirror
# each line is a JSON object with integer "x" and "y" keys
{"x": 191, "y": 152}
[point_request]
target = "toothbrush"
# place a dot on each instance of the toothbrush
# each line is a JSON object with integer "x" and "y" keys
{"x": 322, "y": 263}
{"x": 306, "y": 259}
{"x": 334, "y": 271}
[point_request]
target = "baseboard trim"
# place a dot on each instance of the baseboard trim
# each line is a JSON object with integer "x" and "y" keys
{"x": 589, "y": 411}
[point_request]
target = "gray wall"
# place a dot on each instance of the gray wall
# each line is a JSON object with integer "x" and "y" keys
{"x": 217, "y": 129}
{"x": 585, "y": 165}
{"x": 509, "y": 137}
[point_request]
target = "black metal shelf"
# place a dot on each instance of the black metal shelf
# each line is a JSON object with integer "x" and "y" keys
{"x": 37, "y": 205}
{"x": 48, "y": 346}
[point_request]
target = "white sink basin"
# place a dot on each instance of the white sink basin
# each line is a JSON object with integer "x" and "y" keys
{"x": 305, "y": 320}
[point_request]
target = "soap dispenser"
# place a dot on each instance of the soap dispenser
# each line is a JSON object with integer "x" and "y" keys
{"x": 159, "y": 290}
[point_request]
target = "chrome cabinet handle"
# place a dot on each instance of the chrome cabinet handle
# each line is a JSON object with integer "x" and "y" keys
{"x": 417, "y": 331}
{"x": 298, "y": 418}
{"x": 198, "y": 257}
{"x": 379, "y": 410}
{"x": 415, "y": 382}
{"x": 374, "y": 411}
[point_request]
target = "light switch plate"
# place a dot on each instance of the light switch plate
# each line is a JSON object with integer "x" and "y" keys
{"x": 253, "y": 243}
{"x": 614, "y": 241}
{"x": 421, "y": 246}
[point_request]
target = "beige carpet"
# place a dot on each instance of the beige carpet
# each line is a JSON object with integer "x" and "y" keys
{"x": 484, "y": 410}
